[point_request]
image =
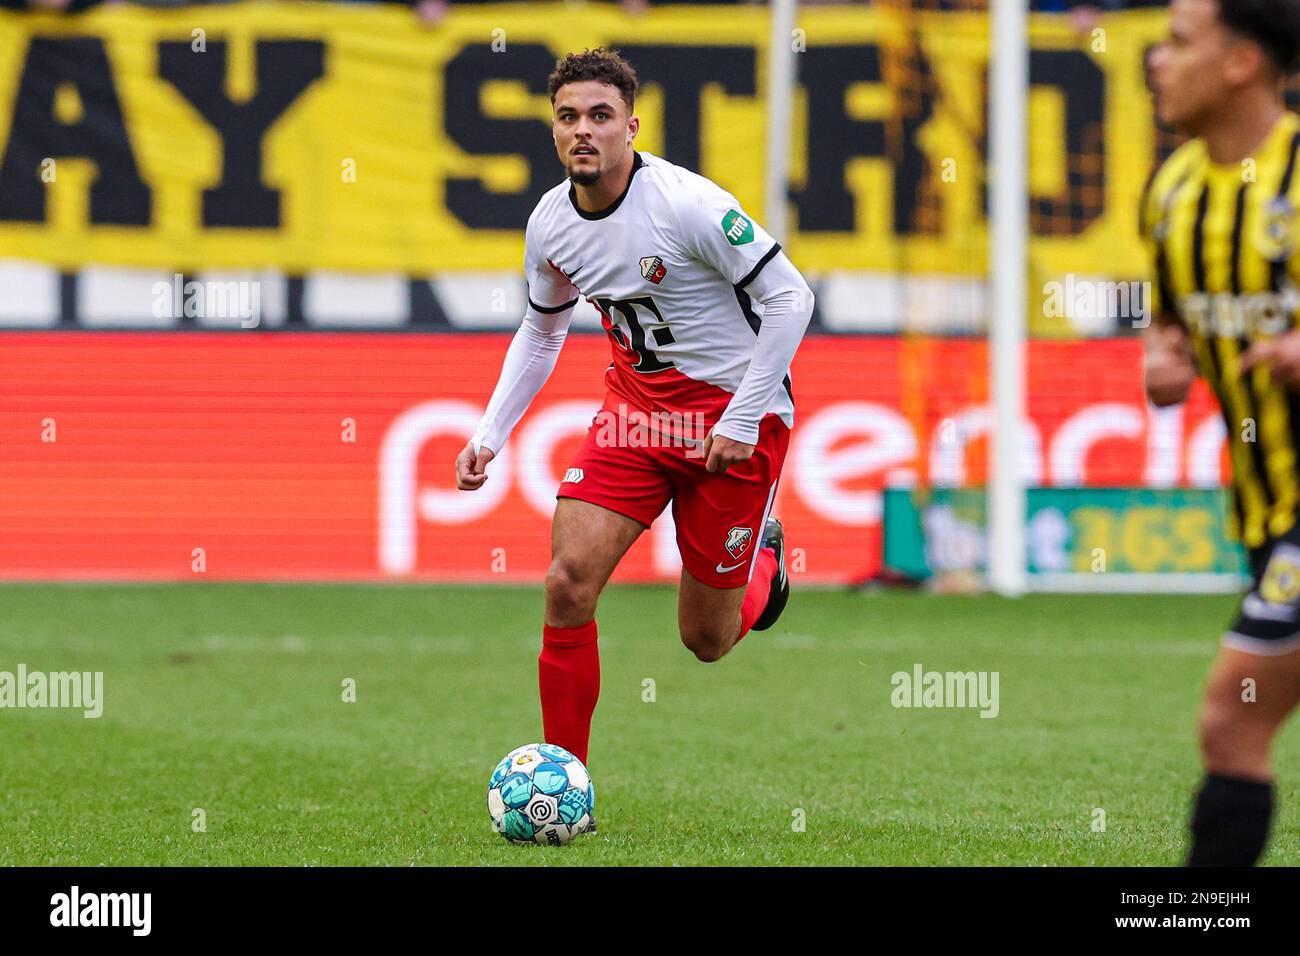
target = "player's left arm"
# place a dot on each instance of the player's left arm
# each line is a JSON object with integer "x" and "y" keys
{"x": 1280, "y": 353}
{"x": 787, "y": 307}
{"x": 719, "y": 233}
{"x": 1169, "y": 366}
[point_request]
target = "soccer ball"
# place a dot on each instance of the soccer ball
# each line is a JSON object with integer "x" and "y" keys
{"x": 540, "y": 793}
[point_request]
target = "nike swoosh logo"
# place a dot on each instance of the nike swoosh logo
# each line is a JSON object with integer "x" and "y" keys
{"x": 721, "y": 570}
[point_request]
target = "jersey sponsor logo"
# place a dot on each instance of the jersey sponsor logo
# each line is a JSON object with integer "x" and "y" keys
{"x": 737, "y": 228}
{"x": 1231, "y": 316}
{"x": 573, "y": 476}
{"x": 738, "y": 540}
{"x": 653, "y": 268}
{"x": 651, "y": 321}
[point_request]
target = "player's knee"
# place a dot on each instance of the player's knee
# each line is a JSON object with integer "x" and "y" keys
{"x": 570, "y": 592}
{"x": 1228, "y": 738}
{"x": 705, "y": 645}
{"x": 1214, "y": 728}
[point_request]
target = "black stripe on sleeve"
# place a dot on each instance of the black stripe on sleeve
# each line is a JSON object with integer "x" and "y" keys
{"x": 550, "y": 310}
{"x": 1168, "y": 300}
{"x": 1146, "y": 200}
{"x": 753, "y": 273}
{"x": 755, "y": 323}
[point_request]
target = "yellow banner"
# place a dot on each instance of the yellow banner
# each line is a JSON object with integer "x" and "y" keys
{"x": 351, "y": 137}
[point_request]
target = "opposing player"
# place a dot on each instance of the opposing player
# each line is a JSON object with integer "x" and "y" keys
{"x": 1220, "y": 219}
{"x": 704, "y": 313}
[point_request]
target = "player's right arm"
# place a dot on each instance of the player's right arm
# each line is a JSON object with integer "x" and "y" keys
{"x": 1169, "y": 367}
{"x": 528, "y": 362}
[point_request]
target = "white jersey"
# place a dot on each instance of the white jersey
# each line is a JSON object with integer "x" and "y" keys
{"x": 667, "y": 265}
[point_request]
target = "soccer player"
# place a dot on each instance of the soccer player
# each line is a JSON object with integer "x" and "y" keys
{"x": 704, "y": 313}
{"x": 1220, "y": 220}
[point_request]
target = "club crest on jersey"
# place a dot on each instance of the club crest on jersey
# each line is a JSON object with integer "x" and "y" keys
{"x": 1276, "y": 240}
{"x": 653, "y": 268}
{"x": 738, "y": 540}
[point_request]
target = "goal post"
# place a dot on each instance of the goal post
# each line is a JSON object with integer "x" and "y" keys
{"x": 1008, "y": 279}
{"x": 781, "y": 77}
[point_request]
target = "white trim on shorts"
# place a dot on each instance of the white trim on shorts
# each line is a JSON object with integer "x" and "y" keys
{"x": 1259, "y": 646}
{"x": 767, "y": 510}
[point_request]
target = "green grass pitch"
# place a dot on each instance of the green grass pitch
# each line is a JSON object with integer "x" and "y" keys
{"x": 229, "y": 698}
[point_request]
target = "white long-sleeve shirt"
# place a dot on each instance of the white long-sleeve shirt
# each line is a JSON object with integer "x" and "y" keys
{"x": 703, "y": 309}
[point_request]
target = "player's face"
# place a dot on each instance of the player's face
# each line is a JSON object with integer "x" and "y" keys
{"x": 1194, "y": 72}
{"x": 592, "y": 128}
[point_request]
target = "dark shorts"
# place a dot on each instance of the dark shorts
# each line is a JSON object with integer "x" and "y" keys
{"x": 1268, "y": 621}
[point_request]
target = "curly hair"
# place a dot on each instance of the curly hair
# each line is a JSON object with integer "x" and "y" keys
{"x": 1273, "y": 24}
{"x": 601, "y": 65}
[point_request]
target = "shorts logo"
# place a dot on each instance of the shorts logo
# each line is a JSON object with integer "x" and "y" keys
{"x": 573, "y": 475}
{"x": 653, "y": 268}
{"x": 738, "y": 541}
{"x": 1280, "y": 583}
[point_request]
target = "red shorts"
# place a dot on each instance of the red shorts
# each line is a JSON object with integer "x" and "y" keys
{"x": 719, "y": 517}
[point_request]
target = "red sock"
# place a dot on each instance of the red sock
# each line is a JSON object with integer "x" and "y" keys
{"x": 568, "y": 675}
{"x": 760, "y": 585}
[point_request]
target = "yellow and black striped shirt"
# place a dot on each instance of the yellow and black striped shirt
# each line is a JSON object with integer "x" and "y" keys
{"x": 1223, "y": 243}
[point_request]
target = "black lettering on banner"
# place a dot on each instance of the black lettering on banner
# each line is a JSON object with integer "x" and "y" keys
{"x": 647, "y": 361}
{"x": 913, "y": 171}
{"x": 285, "y": 68}
{"x": 825, "y": 203}
{"x": 118, "y": 196}
{"x": 682, "y": 72}
{"x": 468, "y": 199}
{"x": 1083, "y": 84}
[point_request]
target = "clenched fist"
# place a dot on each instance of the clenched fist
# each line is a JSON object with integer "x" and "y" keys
{"x": 470, "y": 468}
{"x": 721, "y": 452}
